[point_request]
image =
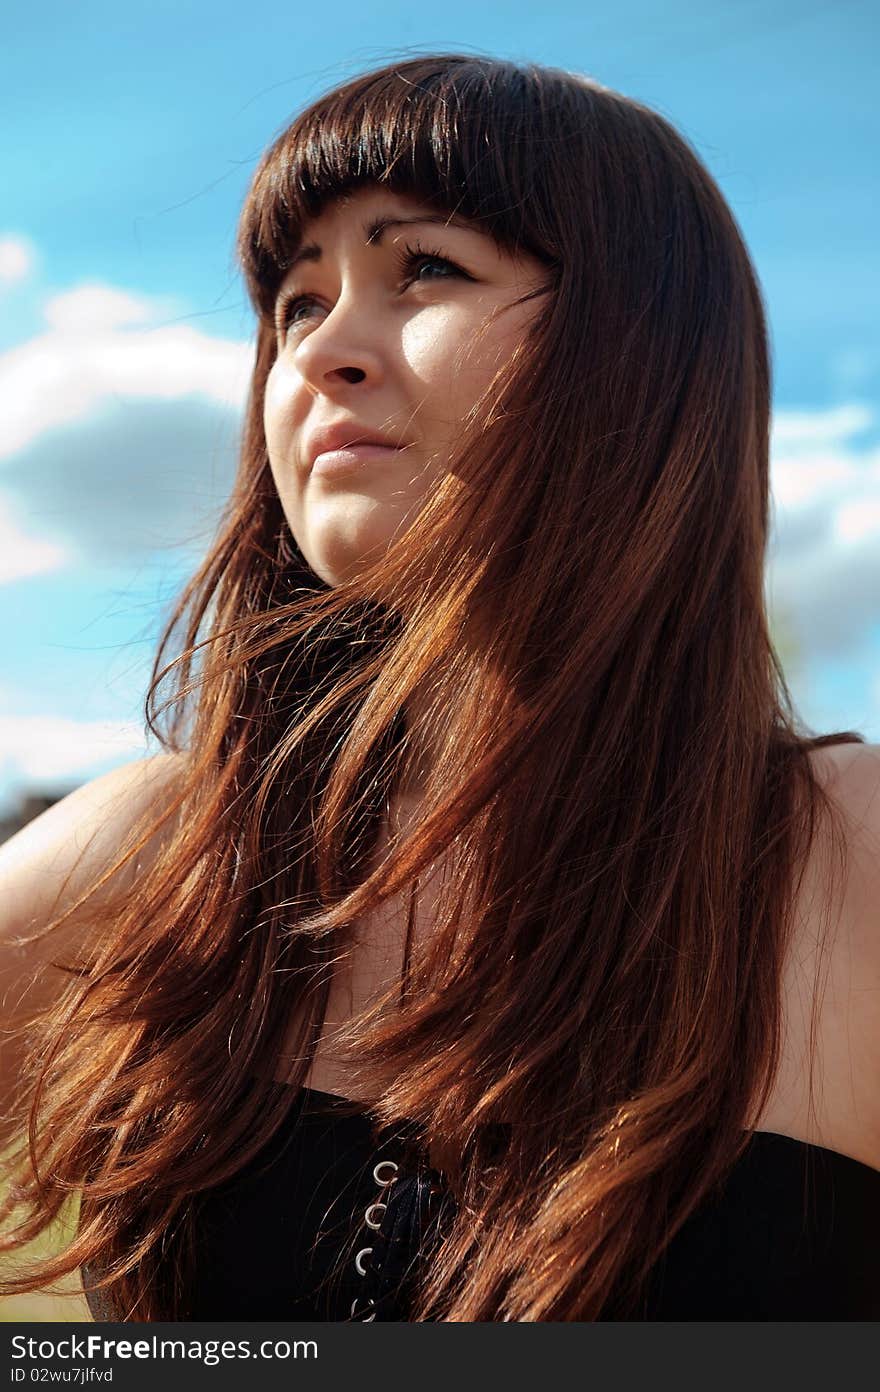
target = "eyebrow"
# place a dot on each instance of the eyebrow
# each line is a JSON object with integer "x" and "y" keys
{"x": 374, "y": 230}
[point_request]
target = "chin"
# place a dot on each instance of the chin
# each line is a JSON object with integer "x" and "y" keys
{"x": 337, "y": 565}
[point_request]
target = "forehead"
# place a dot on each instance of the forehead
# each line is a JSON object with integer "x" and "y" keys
{"x": 357, "y": 204}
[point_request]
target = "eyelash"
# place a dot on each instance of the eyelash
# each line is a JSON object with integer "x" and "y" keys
{"x": 407, "y": 259}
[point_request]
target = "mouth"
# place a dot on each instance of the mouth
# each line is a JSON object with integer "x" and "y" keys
{"x": 349, "y": 458}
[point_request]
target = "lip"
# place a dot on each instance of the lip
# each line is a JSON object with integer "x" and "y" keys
{"x": 345, "y": 437}
{"x": 350, "y": 457}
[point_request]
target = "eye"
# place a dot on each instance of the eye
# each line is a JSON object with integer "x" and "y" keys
{"x": 288, "y": 310}
{"x": 410, "y": 262}
{"x": 413, "y": 259}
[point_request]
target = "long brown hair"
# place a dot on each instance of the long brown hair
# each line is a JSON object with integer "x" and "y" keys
{"x": 624, "y": 796}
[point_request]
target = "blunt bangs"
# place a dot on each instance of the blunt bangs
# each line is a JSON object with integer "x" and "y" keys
{"x": 462, "y": 136}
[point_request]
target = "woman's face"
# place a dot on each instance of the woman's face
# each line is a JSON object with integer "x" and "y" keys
{"x": 390, "y": 324}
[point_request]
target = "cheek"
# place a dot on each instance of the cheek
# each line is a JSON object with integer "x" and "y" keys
{"x": 454, "y": 357}
{"x": 429, "y": 346}
{"x": 286, "y": 404}
{"x": 498, "y": 338}
{"x": 276, "y": 409}
{"x": 279, "y": 429}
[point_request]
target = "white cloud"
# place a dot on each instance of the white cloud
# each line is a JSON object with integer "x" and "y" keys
{"x": 49, "y": 749}
{"x": 99, "y": 351}
{"x": 22, "y": 555}
{"x": 805, "y": 428}
{"x": 140, "y": 482}
{"x": 824, "y": 566}
{"x": 16, "y": 260}
{"x": 93, "y": 307}
{"x": 814, "y": 460}
{"x": 815, "y": 467}
{"x": 857, "y": 520}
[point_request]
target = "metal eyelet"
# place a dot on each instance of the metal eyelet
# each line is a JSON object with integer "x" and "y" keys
{"x": 378, "y": 1178}
{"x": 369, "y": 1318}
{"x": 364, "y": 1252}
{"x": 371, "y": 1222}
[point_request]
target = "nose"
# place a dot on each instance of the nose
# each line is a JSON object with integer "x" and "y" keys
{"x": 342, "y": 349}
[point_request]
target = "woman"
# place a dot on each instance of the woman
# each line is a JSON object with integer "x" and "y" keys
{"x": 483, "y": 803}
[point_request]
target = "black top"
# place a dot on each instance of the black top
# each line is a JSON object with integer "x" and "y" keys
{"x": 329, "y": 1223}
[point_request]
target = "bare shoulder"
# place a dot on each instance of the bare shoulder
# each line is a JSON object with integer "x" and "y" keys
{"x": 51, "y": 860}
{"x": 851, "y": 776}
{"x": 831, "y": 978}
{"x": 857, "y": 791}
{"x": 46, "y": 868}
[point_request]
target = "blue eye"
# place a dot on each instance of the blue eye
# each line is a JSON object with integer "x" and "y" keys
{"x": 288, "y": 311}
{"x": 411, "y": 260}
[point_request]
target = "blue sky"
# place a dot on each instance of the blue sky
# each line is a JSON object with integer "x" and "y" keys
{"x": 125, "y": 335}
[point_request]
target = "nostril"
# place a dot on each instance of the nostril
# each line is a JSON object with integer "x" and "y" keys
{"x": 352, "y": 374}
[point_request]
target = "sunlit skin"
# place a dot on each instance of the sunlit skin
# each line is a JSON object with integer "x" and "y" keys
{"x": 404, "y": 347}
